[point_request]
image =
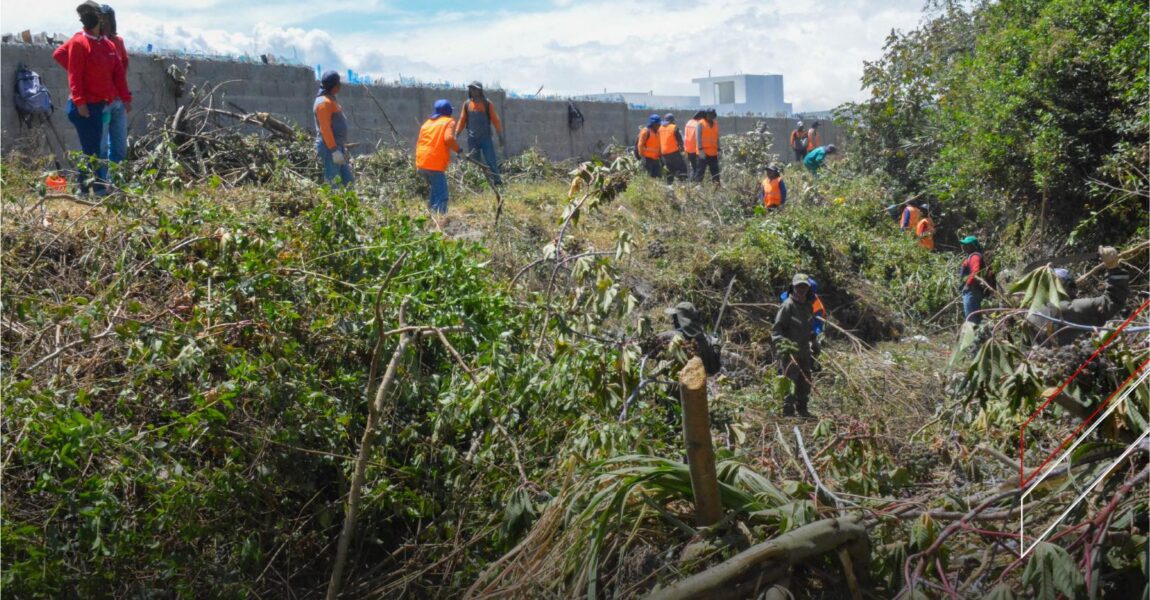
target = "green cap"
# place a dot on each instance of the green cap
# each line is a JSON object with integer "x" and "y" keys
{"x": 801, "y": 279}
{"x": 969, "y": 240}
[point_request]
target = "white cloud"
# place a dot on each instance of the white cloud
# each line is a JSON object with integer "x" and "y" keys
{"x": 568, "y": 47}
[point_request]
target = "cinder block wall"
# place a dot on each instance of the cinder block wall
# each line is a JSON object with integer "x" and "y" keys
{"x": 288, "y": 92}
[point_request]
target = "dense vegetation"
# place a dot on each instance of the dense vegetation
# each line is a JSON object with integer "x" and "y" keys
{"x": 189, "y": 367}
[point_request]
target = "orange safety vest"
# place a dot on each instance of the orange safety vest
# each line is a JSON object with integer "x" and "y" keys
{"x": 648, "y": 144}
{"x": 710, "y": 139}
{"x": 772, "y": 192}
{"x": 915, "y": 217}
{"x": 689, "y": 140}
{"x": 436, "y": 140}
{"x": 812, "y": 139}
{"x": 924, "y": 231}
{"x": 667, "y": 142}
{"x": 818, "y": 307}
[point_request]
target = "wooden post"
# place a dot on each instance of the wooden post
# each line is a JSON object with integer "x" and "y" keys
{"x": 697, "y": 433}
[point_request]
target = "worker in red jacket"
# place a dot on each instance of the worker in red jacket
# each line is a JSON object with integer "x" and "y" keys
{"x": 95, "y": 78}
{"x": 114, "y": 142}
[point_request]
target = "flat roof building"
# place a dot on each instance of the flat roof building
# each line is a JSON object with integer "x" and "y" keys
{"x": 744, "y": 94}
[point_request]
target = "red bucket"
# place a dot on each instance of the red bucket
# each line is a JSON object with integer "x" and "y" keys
{"x": 56, "y": 183}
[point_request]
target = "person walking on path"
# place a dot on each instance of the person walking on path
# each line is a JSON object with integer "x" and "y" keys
{"x": 970, "y": 273}
{"x": 671, "y": 146}
{"x": 331, "y": 132}
{"x": 1054, "y": 321}
{"x": 647, "y": 146}
{"x": 691, "y": 143}
{"x": 924, "y": 229}
{"x": 813, "y": 161}
{"x": 814, "y": 140}
{"x": 433, "y": 154}
{"x": 799, "y": 142}
{"x": 795, "y": 345}
{"x": 707, "y": 146}
{"x": 772, "y": 191}
{"x": 479, "y": 118}
{"x": 95, "y": 79}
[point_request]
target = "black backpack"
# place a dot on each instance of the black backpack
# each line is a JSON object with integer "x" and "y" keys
{"x": 574, "y": 117}
{"x": 31, "y": 97}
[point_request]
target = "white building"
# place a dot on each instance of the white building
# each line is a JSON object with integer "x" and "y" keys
{"x": 744, "y": 94}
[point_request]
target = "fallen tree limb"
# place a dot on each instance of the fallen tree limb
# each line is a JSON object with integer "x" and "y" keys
{"x": 793, "y": 547}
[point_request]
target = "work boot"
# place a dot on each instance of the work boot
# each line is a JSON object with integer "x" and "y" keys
{"x": 803, "y": 412}
{"x": 788, "y": 407}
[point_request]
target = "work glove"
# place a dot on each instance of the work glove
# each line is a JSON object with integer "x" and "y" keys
{"x": 1109, "y": 256}
{"x": 338, "y": 157}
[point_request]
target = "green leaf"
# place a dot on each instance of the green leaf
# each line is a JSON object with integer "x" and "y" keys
{"x": 1051, "y": 571}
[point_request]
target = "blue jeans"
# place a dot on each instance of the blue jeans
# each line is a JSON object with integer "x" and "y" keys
{"x": 332, "y": 170}
{"x": 437, "y": 201}
{"x": 114, "y": 141}
{"x": 89, "y": 131}
{"x": 486, "y": 147}
{"x": 971, "y": 303}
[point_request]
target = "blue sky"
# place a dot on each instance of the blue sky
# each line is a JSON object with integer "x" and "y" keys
{"x": 565, "y": 46}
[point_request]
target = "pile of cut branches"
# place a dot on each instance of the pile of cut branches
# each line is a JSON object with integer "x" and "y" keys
{"x": 218, "y": 143}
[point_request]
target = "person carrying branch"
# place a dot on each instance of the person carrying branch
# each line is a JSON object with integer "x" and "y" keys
{"x": 795, "y": 344}
{"x": 331, "y": 132}
{"x": 1069, "y": 319}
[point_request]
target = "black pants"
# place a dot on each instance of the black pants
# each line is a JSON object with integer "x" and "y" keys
{"x": 652, "y": 166}
{"x": 706, "y": 162}
{"x": 799, "y": 155}
{"x": 676, "y": 167}
{"x": 798, "y": 370}
{"x": 693, "y": 159}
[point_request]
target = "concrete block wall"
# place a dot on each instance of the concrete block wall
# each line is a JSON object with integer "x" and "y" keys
{"x": 288, "y": 92}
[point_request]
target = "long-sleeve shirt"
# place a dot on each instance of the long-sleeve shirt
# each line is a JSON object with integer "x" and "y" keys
{"x": 478, "y": 117}
{"x": 95, "y": 69}
{"x": 970, "y": 268}
{"x": 121, "y": 50}
{"x": 330, "y": 123}
{"x": 1093, "y": 311}
{"x": 793, "y": 322}
{"x": 814, "y": 159}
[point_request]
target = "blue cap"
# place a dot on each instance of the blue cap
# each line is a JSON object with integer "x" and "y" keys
{"x": 653, "y": 120}
{"x": 1062, "y": 274}
{"x": 443, "y": 108}
{"x": 327, "y": 81}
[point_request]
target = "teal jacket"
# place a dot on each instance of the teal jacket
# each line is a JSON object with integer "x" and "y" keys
{"x": 814, "y": 159}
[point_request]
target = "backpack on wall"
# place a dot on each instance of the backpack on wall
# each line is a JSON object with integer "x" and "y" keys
{"x": 31, "y": 97}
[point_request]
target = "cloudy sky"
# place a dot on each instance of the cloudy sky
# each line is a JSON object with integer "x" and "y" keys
{"x": 565, "y": 46}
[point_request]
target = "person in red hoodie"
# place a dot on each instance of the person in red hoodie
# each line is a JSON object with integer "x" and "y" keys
{"x": 95, "y": 78}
